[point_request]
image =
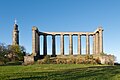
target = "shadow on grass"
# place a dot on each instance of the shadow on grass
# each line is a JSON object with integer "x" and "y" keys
{"x": 88, "y": 73}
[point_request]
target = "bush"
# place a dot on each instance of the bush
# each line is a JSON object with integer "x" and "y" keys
{"x": 88, "y": 59}
{"x": 46, "y": 59}
{"x": 14, "y": 63}
{"x": 16, "y": 52}
{"x": 2, "y": 63}
{"x": 61, "y": 61}
{"x": 98, "y": 60}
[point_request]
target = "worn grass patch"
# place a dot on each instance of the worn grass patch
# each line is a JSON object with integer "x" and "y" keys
{"x": 60, "y": 72}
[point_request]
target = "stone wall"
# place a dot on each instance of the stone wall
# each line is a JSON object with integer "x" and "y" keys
{"x": 107, "y": 59}
{"x": 28, "y": 60}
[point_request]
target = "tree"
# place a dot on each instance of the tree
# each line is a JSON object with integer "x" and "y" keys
{"x": 16, "y": 52}
{"x": 11, "y": 53}
{"x": 3, "y": 53}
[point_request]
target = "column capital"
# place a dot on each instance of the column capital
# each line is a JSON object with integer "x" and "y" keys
{"x": 80, "y": 34}
{"x": 87, "y": 34}
{"x": 62, "y": 34}
{"x": 44, "y": 34}
{"x": 34, "y": 28}
{"x": 100, "y": 28}
{"x": 70, "y": 34}
{"x": 53, "y": 35}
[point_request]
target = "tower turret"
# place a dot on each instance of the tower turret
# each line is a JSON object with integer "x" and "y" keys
{"x": 15, "y": 34}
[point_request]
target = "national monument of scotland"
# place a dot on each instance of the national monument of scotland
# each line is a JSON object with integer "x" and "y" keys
{"x": 97, "y": 46}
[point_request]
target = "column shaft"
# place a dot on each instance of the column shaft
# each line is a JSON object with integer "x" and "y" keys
{"x": 33, "y": 42}
{"x": 79, "y": 44}
{"x": 87, "y": 45}
{"x": 101, "y": 40}
{"x": 70, "y": 45}
{"x": 97, "y": 42}
{"x": 38, "y": 44}
{"x": 53, "y": 46}
{"x": 62, "y": 44}
{"x": 94, "y": 44}
{"x": 45, "y": 45}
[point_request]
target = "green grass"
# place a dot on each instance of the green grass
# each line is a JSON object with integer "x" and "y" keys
{"x": 60, "y": 72}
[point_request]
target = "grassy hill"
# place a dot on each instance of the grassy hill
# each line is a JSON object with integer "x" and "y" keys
{"x": 60, "y": 72}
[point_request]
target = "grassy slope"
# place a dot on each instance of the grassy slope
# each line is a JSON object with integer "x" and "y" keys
{"x": 61, "y": 72}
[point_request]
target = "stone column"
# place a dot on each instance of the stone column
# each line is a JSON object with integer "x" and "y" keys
{"x": 53, "y": 46}
{"x": 45, "y": 44}
{"x": 38, "y": 44}
{"x": 87, "y": 45}
{"x": 34, "y": 45}
{"x": 79, "y": 44}
{"x": 94, "y": 41}
{"x": 33, "y": 42}
{"x": 62, "y": 44}
{"x": 70, "y": 45}
{"x": 97, "y": 42}
{"x": 101, "y": 40}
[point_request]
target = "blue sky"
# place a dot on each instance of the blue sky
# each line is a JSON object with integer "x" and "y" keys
{"x": 61, "y": 15}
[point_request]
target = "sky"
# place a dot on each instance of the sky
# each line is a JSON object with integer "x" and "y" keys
{"x": 62, "y": 16}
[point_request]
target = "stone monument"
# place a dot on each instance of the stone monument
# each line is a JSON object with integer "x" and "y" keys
{"x": 15, "y": 35}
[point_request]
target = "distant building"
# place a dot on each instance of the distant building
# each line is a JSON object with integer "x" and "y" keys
{"x": 15, "y": 35}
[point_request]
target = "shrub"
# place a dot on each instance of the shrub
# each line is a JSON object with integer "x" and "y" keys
{"x": 71, "y": 61}
{"x": 14, "y": 63}
{"x": 61, "y": 61}
{"x": 46, "y": 59}
{"x": 1, "y": 63}
{"x": 98, "y": 60}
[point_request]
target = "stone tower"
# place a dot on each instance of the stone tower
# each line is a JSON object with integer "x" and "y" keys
{"x": 15, "y": 35}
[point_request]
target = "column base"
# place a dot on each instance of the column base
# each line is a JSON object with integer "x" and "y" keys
{"x": 53, "y": 55}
